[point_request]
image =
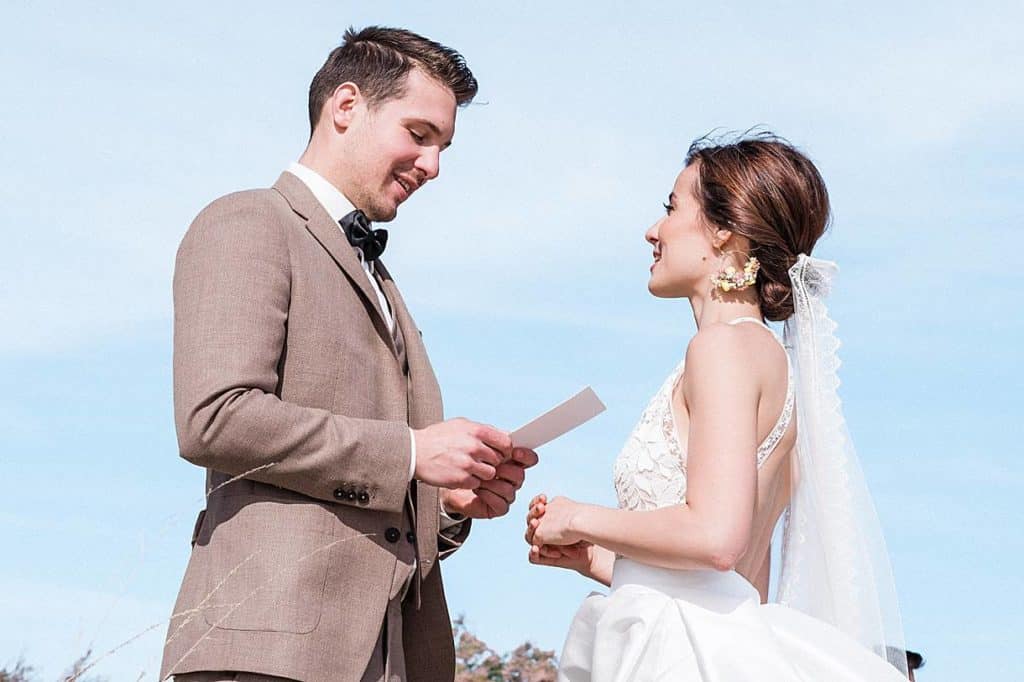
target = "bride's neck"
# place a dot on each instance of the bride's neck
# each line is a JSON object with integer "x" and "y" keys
{"x": 715, "y": 306}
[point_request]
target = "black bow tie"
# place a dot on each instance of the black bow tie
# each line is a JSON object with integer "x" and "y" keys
{"x": 363, "y": 237}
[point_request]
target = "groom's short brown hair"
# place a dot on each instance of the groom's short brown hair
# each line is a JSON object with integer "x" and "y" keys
{"x": 378, "y": 59}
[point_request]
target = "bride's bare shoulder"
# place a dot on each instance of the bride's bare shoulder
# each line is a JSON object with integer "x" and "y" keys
{"x": 723, "y": 342}
{"x": 743, "y": 353}
{"x": 717, "y": 354}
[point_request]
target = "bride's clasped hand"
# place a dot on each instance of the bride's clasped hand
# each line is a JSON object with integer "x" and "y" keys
{"x": 555, "y": 542}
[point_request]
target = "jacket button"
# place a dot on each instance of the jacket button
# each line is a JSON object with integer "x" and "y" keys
{"x": 364, "y": 497}
{"x": 340, "y": 494}
{"x": 410, "y": 536}
{"x": 352, "y": 495}
{"x": 392, "y": 535}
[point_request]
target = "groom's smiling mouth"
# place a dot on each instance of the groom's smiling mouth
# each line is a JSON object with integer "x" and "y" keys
{"x": 408, "y": 185}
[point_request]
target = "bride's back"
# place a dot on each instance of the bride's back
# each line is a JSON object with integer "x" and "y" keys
{"x": 768, "y": 366}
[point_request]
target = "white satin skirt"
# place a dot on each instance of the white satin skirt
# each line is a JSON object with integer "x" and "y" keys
{"x": 661, "y": 624}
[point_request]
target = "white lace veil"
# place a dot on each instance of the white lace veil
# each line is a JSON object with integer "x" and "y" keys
{"x": 835, "y": 566}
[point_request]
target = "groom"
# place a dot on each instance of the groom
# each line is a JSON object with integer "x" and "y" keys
{"x": 302, "y": 385}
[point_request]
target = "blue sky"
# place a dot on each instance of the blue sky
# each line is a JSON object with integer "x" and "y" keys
{"x": 526, "y": 268}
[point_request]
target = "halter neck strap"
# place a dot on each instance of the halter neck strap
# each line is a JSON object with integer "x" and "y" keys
{"x": 775, "y": 436}
{"x": 749, "y": 319}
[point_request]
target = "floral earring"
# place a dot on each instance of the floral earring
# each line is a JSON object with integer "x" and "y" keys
{"x": 732, "y": 279}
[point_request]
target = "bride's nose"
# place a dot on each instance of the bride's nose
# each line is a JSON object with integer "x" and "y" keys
{"x": 652, "y": 234}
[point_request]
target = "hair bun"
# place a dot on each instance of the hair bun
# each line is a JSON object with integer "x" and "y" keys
{"x": 776, "y": 299}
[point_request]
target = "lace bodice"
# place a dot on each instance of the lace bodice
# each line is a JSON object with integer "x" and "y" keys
{"x": 650, "y": 472}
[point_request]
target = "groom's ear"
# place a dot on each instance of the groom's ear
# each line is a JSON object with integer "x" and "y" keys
{"x": 342, "y": 105}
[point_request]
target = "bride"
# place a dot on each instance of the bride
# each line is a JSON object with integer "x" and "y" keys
{"x": 752, "y": 429}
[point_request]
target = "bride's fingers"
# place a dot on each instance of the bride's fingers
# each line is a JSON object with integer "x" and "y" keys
{"x": 567, "y": 551}
{"x": 531, "y": 529}
{"x": 532, "y": 523}
{"x": 537, "y": 557}
{"x": 549, "y": 552}
{"x": 573, "y": 552}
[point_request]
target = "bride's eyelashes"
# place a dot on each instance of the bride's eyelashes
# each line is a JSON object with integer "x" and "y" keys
{"x": 668, "y": 209}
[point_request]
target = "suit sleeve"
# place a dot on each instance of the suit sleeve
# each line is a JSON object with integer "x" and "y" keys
{"x": 231, "y": 295}
{"x": 450, "y": 539}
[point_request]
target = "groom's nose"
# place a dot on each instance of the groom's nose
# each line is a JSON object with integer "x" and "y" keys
{"x": 429, "y": 163}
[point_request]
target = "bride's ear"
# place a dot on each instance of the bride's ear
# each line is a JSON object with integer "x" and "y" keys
{"x": 719, "y": 238}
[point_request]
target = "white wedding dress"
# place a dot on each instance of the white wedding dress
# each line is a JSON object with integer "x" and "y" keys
{"x": 662, "y": 624}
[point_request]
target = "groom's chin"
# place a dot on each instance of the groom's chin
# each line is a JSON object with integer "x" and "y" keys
{"x": 382, "y": 214}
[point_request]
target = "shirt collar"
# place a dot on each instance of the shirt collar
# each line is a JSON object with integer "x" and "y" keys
{"x": 330, "y": 197}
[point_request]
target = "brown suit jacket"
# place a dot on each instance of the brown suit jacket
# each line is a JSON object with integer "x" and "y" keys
{"x": 289, "y": 389}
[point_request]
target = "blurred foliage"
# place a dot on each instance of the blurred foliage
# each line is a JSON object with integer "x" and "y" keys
{"x": 477, "y": 662}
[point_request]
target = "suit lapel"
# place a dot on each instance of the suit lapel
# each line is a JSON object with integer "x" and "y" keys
{"x": 425, "y": 408}
{"x": 328, "y": 233}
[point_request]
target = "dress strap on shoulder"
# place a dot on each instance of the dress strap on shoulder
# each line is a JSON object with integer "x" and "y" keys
{"x": 749, "y": 319}
{"x": 759, "y": 323}
{"x": 775, "y": 436}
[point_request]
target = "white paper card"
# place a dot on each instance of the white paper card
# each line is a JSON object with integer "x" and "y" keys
{"x": 559, "y": 420}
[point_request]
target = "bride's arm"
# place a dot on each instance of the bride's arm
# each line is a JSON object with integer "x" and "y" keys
{"x": 712, "y": 528}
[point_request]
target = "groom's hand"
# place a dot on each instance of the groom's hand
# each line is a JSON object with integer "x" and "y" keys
{"x": 459, "y": 453}
{"x": 493, "y": 497}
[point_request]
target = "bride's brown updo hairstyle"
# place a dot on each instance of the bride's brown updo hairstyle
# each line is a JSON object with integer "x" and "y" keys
{"x": 760, "y": 186}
